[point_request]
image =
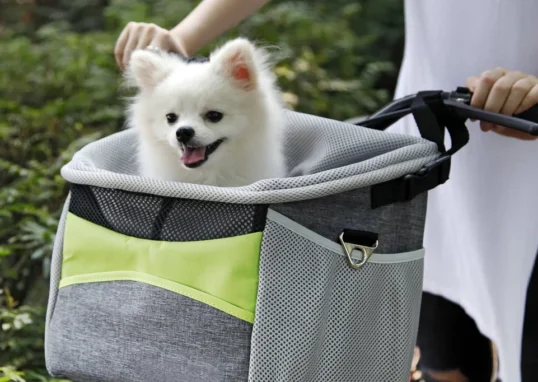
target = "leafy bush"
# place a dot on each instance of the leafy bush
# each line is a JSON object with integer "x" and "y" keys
{"x": 59, "y": 91}
{"x": 56, "y": 95}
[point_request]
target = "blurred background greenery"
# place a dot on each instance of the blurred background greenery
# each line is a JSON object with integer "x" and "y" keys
{"x": 59, "y": 91}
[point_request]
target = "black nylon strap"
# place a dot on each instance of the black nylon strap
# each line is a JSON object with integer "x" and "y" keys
{"x": 432, "y": 117}
{"x": 358, "y": 237}
{"x": 425, "y": 118}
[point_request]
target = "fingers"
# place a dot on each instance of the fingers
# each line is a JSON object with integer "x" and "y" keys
{"x": 526, "y": 91}
{"x": 167, "y": 42}
{"x": 505, "y": 92}
{"x": 529, "y": 101}
{"x": 146, "y": 35}
{"x": 471, "y": 83}
{"x": 120, "y": 44}
{"x": 160, "y": 41}
{"x": 486, "y": 126}
{"x": 139, "y": 36}
{"x": 511, "y": 133}
{"x": 130, "y": 46}
{"x": 501, "y": 90}
{"x": 498, "y": 95}
{"x": 174, "y": 45}
{"x": 484, "y": 86}
{"x": 519, "y": 91}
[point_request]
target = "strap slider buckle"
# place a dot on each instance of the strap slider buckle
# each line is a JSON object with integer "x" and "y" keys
{"x": 427, "y": 178}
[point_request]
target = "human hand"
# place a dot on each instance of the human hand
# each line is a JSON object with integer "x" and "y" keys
{"x": 507, "y": 92}
{"x": 141, "y": 35}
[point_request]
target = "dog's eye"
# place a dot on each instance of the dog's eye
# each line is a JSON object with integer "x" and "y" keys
{"x": 213, "y": 116}
{"x": 171, "y": 118}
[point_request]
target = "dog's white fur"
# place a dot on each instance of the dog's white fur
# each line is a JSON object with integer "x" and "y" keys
{"x": 237, "y": 82}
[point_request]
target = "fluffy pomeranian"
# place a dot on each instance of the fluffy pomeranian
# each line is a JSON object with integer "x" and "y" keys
{"x": 216, "y": 123}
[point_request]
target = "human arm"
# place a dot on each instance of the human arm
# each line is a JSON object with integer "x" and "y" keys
{"x": 208, "y": 20}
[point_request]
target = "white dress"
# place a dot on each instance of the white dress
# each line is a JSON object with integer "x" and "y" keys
{"x": 481, "y": 234}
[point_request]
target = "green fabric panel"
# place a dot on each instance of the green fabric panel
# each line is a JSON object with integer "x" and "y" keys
{"x": 224, "y": 270}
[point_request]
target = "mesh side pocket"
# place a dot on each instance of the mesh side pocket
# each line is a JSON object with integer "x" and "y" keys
{"x": 319, "y": 320}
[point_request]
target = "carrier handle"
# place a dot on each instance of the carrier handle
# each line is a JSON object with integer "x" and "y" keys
{"x": 435, "y": 112}
{"x": 432, "y": 117}
{"x": 458, "y": 102}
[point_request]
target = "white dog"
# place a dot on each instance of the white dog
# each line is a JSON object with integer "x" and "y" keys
{"x": 217, "y": 123}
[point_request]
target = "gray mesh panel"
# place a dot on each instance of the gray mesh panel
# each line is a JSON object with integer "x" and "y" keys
{"x": 324, "y": 157}
{"x": 132, "y": 332}
{"x": 319, "y": 320}
{"x": 214, "y": 220}
{"x": 162, "y": 218}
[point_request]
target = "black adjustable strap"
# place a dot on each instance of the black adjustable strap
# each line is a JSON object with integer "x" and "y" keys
{"x": 425, "y": 108}
{"x": 358, "y": 237}
{"x": 432, "y": 117}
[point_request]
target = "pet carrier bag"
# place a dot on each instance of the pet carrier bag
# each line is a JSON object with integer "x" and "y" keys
{"x": 312, "y": 278}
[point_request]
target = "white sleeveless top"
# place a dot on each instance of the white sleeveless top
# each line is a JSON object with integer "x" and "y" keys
{"x": 481, "y": 234}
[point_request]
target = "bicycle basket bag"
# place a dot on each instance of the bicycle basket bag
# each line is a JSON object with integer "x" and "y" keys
{"x": 313, "y": 277}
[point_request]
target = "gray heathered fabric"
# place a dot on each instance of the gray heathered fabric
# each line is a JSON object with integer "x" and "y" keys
{"x": 324, "y": 157}
{"x": 318, "y": 320}
{"x": 126, "y": 331}
{"x": 56, "y": 264}
{"x": 400, "y": 226}
{"x": 336, "y": 247}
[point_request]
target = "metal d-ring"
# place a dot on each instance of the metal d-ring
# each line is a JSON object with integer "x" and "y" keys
{"x": 366, "y": 252}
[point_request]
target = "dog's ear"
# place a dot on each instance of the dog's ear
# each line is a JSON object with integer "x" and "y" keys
{"x": 237, "y": 60}
{"x": 147, "y": 69}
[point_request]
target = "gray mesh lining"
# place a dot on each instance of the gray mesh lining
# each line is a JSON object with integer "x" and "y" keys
{"x": 324, "y": 157}
{"x": 160, "y": 218}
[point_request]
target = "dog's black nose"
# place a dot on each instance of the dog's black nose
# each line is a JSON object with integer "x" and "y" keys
{"x": 184, "y": 134}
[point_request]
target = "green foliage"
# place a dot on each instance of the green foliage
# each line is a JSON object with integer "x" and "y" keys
{"x": 59, "y": 91}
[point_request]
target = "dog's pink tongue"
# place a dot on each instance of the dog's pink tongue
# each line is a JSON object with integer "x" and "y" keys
{"x": 193, "y": 155}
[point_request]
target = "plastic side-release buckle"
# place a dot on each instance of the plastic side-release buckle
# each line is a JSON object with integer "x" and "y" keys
{"x": 409, "y": 186}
